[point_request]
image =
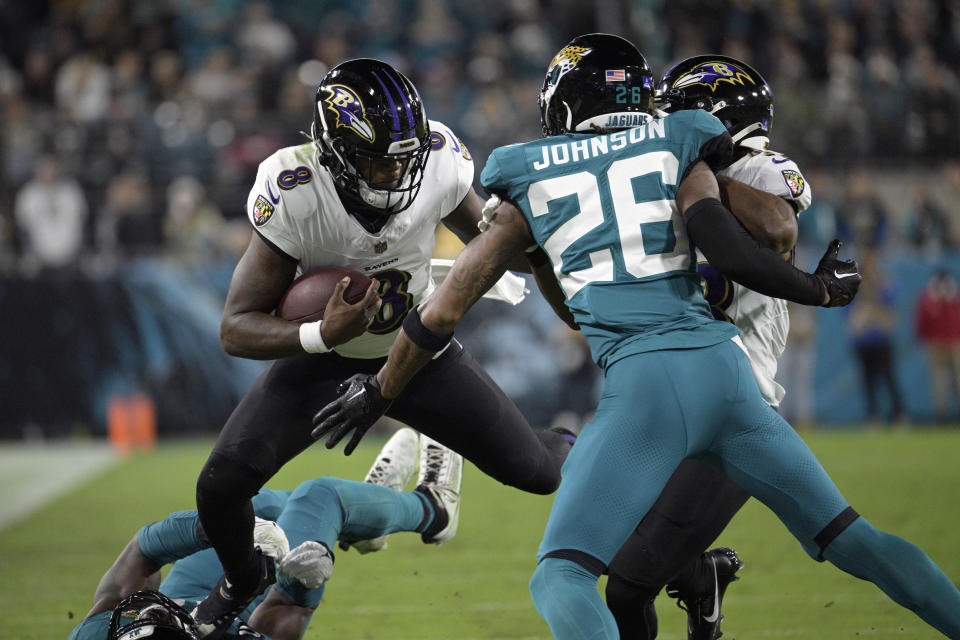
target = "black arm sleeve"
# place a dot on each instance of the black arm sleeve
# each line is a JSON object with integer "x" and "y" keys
{"x": 732, "y": 251}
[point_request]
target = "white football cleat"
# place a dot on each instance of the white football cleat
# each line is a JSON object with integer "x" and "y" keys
{"x": 270, "y": 538}
{"x": 441, "y": 472}
{"x": 393, "y": 468}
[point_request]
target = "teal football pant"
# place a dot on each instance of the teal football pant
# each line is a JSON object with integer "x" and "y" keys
{"x": 660, "y": 407}
{"x": 323, "y": 509}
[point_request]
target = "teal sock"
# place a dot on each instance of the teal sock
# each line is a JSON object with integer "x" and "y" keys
{"x": 901, "y": 570}
{"x": 565, "y": 594}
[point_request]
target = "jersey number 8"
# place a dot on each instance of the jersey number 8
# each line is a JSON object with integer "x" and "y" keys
{"x": 397, "y": 302}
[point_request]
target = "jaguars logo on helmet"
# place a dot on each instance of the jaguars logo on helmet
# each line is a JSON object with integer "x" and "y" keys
{"x": 566, "y": 60}
{"x": 152, "y": 616}
{"x": 597, "y": 82}
{"x": 725, "y": 87}
{"x": 344, "y": 102}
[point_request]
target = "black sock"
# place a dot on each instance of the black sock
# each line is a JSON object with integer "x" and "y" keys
{"x": 431, "y": 527}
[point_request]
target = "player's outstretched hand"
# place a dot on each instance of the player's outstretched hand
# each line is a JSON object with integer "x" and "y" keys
{"x": 840, "y": 277}
{"x": 360, "y": 405}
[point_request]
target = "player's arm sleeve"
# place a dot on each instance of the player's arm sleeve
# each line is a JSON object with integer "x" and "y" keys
{"x": 270, "y": 210}
{"x": 176, "y": 536}
{"x": 736, "y": 254}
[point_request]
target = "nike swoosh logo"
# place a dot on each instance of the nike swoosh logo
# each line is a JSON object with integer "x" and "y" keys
{"x": 713, "y": 617}
{"x": 843, "y": 275}
{"x": 275, "y": 199}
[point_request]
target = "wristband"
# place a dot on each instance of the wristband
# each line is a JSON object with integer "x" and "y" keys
{"x": 420, "y": 335}
{"x": 310, "y": 338}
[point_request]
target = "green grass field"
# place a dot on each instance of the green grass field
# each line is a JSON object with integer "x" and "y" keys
{"x": 905, "y": 482}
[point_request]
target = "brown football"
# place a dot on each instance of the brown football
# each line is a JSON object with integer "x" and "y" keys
{"x": 306, "y": 299}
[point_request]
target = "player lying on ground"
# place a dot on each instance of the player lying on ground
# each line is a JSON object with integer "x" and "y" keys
{"x": 312, "y": 517}
{"x": 618, "y": 200}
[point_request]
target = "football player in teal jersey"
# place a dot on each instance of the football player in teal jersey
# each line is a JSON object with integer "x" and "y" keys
{"x": 130, "y": 601}
{"x": 618, "y": 214}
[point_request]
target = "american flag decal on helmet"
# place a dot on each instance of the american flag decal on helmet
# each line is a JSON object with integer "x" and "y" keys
{"x": 616, "y": 75}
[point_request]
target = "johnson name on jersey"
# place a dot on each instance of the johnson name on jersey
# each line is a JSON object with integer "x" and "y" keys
{"x": 763, "y": 321}
{"x": 603, "y": 208}
{"x": 294, "y": 206}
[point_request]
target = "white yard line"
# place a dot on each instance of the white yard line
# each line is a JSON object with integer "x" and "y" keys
{"x": 32, "y": 475}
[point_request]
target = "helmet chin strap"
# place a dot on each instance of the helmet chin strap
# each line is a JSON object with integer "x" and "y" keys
{"x": 744, "y": 139}
{"x": 377, "y": 198}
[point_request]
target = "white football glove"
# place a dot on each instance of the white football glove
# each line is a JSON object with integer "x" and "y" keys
{"x": 270, "y": 538}
{"x": 488, "y": 212}
{"x": 310, "y": 562}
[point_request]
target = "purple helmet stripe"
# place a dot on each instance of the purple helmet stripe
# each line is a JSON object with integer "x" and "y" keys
{"x": 410, "y": 120}
{"x": 393, "y": 108}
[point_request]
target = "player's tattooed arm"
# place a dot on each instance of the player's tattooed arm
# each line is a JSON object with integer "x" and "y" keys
{"x": 478, "y": 267}
{"x": 247, "y": 328}
{"x": 463, "y": 222}
{"x": 476, "y": 270}
{"x": 769, "y": 218}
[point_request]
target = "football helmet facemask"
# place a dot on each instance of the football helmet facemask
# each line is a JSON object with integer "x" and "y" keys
{"x": 725, "y": 87}
{"x": 371, "y": 132}
{"x": 152, "y": 615}
{"x": 597, "y": 82}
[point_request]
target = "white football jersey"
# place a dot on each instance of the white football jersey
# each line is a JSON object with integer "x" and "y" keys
{"x": 294, "y": 206}
{"x": 763, "y": 321}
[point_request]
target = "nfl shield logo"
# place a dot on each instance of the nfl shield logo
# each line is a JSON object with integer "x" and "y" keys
{"x": 380, "y": 247}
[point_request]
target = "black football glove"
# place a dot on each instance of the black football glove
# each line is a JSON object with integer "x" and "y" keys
{"x": 840, "y": 277}
{"x": 358, "y": 407}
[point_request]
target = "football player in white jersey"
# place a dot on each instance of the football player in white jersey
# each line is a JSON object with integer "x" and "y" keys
{"x": 699, "y": 501}
{"x": 367, "y": 192}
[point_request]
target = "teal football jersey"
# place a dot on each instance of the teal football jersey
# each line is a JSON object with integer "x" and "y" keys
{"x": 603, "y": 208}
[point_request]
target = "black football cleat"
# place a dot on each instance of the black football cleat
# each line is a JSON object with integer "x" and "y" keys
{"x": 703, "y": 605}
{"x": 215, "y": 613}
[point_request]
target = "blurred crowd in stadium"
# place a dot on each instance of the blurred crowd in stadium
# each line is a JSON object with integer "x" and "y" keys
{"x": 132, "y": 129}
